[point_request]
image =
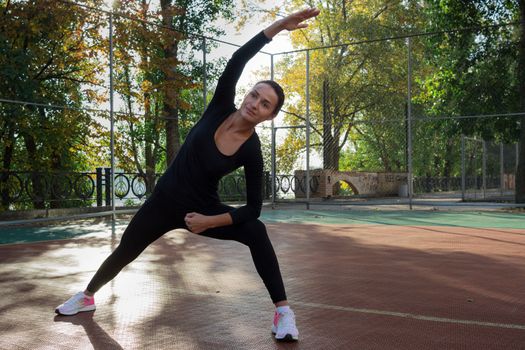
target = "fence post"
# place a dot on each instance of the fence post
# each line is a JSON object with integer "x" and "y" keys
{"x": 99, "y": 187}
{"x": 108, "y": 185}
{"x": 307, "y": 185}
{"x": 501, "y": 169}
{"x": 484, "y": 169}
{"x": 267, "y": 188}
{"x": 274, "y": 164}
{"x": 111, "y": 115}
{"x": 463, "y": 168}
{"x": 204, "y": 76}
{"x": 409, "y": 124}
{"x": 517, "y": 159}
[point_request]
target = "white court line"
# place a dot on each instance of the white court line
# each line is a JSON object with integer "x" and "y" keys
{"x": 371, "y": 311}
{"x": 412, "y": 316}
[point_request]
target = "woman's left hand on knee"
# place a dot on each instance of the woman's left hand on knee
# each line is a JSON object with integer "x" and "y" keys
{"x": 196, "y": 222}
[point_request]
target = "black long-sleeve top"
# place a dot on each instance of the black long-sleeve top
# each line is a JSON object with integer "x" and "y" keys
{"x": 192, "y": 179}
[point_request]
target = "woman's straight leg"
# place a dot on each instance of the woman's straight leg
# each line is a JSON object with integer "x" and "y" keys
{"x": 152, "y": 220}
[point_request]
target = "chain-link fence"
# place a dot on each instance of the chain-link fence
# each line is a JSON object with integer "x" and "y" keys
{"x": 381, "y": 119}
{"x": 402, "y": 118}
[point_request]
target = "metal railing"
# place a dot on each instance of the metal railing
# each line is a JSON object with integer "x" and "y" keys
{"x": 55, "y": 189}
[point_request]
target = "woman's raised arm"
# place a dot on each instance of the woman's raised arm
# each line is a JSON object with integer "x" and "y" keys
{"x": 225, "y": 92}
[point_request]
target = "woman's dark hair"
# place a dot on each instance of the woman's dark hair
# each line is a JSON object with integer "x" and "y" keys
{"x": 278, "y": 90}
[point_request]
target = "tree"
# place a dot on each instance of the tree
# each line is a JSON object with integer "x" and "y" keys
{"x": 138, "y": 80}
{"x": 358, "y": 92}
{"x": 48, "y": 56}
{"x": 158, "y": 76}
{"x": 181, "y": 17}
{"x": 478, "y": 69}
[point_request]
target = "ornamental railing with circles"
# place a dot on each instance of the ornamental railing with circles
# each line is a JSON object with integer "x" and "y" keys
{"x": 39, "y": 187}
{"x": 292, "y": 184}
{"x": 51, "y": 188}
{"x": 55, "y": 188}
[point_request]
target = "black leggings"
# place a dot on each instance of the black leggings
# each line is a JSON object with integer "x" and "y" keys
{"x": 158, "y": 216}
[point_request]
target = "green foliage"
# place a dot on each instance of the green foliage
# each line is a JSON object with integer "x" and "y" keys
{"x": 360, "y": 123}
{"x": 54, "y": 54}
{"x": 474, "y": 74}
{"x": 357, "y": 92}
{"x": 48, "y": 56}
{"x": 159, "y": 70}
{"x": 477, "y": 68}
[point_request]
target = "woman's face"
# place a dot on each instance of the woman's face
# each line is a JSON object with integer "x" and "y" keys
{"x": 259, "y": 104}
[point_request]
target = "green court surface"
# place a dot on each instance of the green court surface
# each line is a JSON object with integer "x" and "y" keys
{"x": 487, "y": 219}
{"x": 482, "y": 219}
{"x": 26, "y": 234}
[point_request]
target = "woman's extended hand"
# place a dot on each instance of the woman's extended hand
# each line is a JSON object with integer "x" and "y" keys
{"x": 294, "y": 21}
{"x": 196, "y": 222}
{"x": 291, "y": 22}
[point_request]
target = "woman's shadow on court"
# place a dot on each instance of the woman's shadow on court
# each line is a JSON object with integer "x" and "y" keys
{"x": 96, "y": 334}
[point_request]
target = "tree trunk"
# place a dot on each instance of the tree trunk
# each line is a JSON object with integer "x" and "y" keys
{"x": 172, "y": 133}
{"x": 334, "y": 151}
{"x": 155, "y": 141}
{"x": 447, "y": 170}
{"x": 330, "y": 137}
{"x": 150, "y": 168}
{"x": 54, "y": 185}
{"x": 36, "y": 177}
{"x": 520, "y": 174}
{"x": 327, "y": 129}
{"x": 6, "y": 166}
{"x": 151, "y": 132}
{"x": 170, "y": 97}
{"x": 385, "y": 155}
{"x": 148, "y": 147}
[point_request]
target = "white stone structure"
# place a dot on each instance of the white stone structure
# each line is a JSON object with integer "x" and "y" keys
{"x": 362, "y": 183}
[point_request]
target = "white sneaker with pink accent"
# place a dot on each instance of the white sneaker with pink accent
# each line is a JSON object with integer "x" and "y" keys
{"x": 77, "y": 303}
{"x": 284, "y": 326}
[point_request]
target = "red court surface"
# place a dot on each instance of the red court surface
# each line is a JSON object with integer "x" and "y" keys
{"x": 351, "y": 286}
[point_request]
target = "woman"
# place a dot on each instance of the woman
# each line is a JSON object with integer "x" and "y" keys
{"x": 223, "y": 140}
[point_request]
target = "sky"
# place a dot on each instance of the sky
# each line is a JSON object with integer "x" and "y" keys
{"x": 279, "y": 43}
